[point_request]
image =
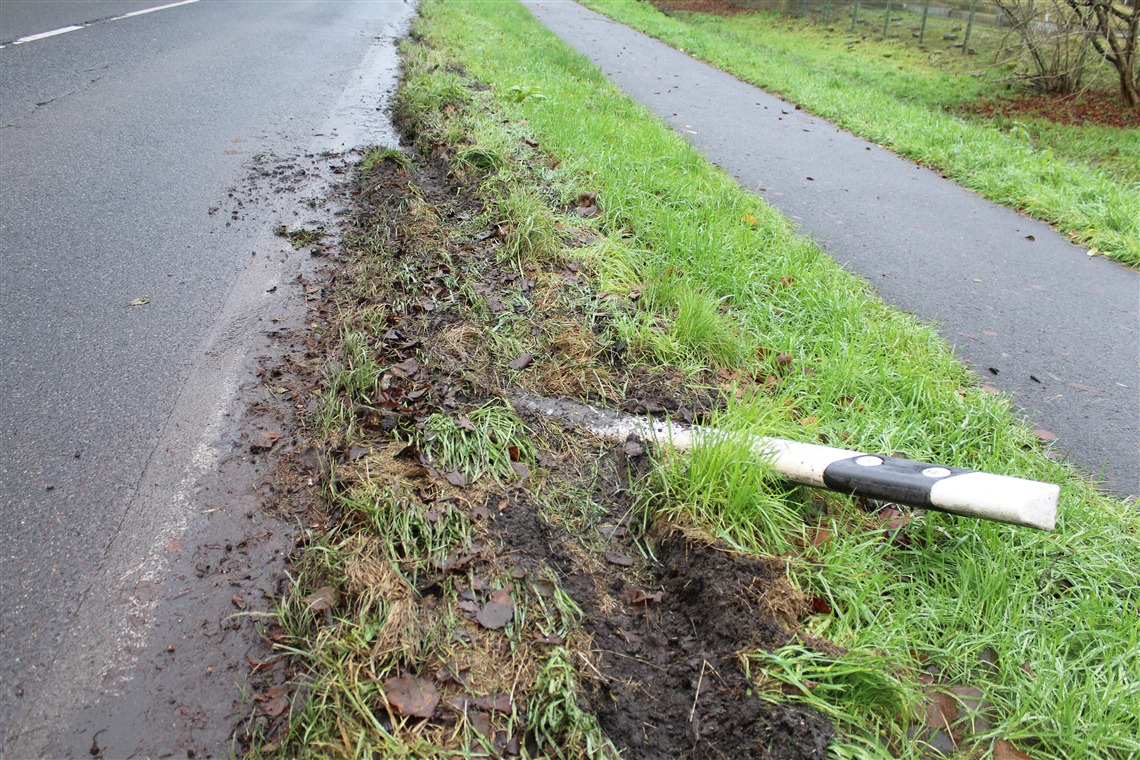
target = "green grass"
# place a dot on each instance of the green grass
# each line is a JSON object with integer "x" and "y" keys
{"x": 377, "y": 155}
{"x": 856, "y": 689}
{"x": 726, "y": 489}
{"x": 1058, "y": 611}
{"x": 487, "y": 440}
{"x": 897, "y": 97}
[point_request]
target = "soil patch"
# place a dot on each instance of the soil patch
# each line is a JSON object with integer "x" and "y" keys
{"x": 671, "y": 683}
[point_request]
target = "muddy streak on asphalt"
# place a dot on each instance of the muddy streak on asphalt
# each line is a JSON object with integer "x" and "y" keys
{"x": 159, "y": 660}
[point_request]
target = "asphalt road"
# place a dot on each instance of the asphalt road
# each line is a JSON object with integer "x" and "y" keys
{"x": 120, "y": 145}
{"x": 1030, "y": 312}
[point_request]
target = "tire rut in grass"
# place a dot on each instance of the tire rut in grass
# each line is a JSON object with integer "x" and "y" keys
{"x": 672, "y": 681}
{"x": 661, "y": 674}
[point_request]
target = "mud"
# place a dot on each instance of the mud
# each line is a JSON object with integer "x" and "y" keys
{"x": 665, "y": 678}
{"x": 672, "y": 684}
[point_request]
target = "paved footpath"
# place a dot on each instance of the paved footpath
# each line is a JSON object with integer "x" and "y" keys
{"x": 1060, "y": 330}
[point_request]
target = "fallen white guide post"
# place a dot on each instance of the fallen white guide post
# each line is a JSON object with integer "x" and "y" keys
{"x": 955, "y": 490}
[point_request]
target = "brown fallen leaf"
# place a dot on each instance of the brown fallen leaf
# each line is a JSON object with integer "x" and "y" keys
{"x": 406, "y": 368}
{"x": 632, "y": 449}
{"x": 974, "y": 709}
{"x": 893, "y": 519}
{"x": 820, "y": 605}
{"x": 1004, "y": 750}
{"x": 817, "y": 537}
{"x": 452, "y": 673}
{"x": 456, "y": 479}
{"x": 411, "y": 696}
{"x": 238, "y": 602}
{"x": 480, "y": 722}
{"x": 500, "y": 703}
{"x": 617, "y": 558}
{"x": 588, "y": 205}
{"x": 495, "y": 615}
{"x": 613, "y": 532}
{"x": 275, "y": 706}
{"x": 941, "y": 709}
{"x": 1044, "y": 435}
{"x": 263, "y": 441}
{"x": 322, "y": 599}
{"x": 522, "y": 362}
{"x": 634, "y": 596}
{"x": 460, "y": 702}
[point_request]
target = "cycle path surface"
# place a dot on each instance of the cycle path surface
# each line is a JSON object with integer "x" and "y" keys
{"x": 1030, "y": 312}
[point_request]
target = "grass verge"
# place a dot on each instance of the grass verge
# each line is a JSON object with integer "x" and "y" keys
{"x": 895, "y": 97}
{"x": 486, "y": 584}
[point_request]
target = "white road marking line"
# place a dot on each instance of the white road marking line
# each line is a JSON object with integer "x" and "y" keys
{"x": 152, "y": 10}
{"x": 45, "y": 35}
{"x": 66, "y": 29}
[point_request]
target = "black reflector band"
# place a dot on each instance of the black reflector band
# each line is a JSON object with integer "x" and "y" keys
{"x": 887, "y": 478}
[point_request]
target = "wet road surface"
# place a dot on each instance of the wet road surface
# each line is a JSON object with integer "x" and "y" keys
{"x": 1029, "y": 311}
{"x": 127, "y": 143}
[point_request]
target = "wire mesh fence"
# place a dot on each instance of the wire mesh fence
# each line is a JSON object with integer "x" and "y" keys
{"x": 936, "y": 24}
{"x": 1052, "y": 45}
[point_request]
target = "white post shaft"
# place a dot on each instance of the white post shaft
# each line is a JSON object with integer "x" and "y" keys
{"x": 962, "y": 492}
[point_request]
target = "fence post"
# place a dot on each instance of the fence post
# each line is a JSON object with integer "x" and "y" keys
{"x": 803, "y": 9}
{"x": 887, "y": 20}
{"x": 925, "y": 13}
{"x": 854, "y": 16}
{"x": 969, "y": 27}
{"x": 826, "y": 12}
